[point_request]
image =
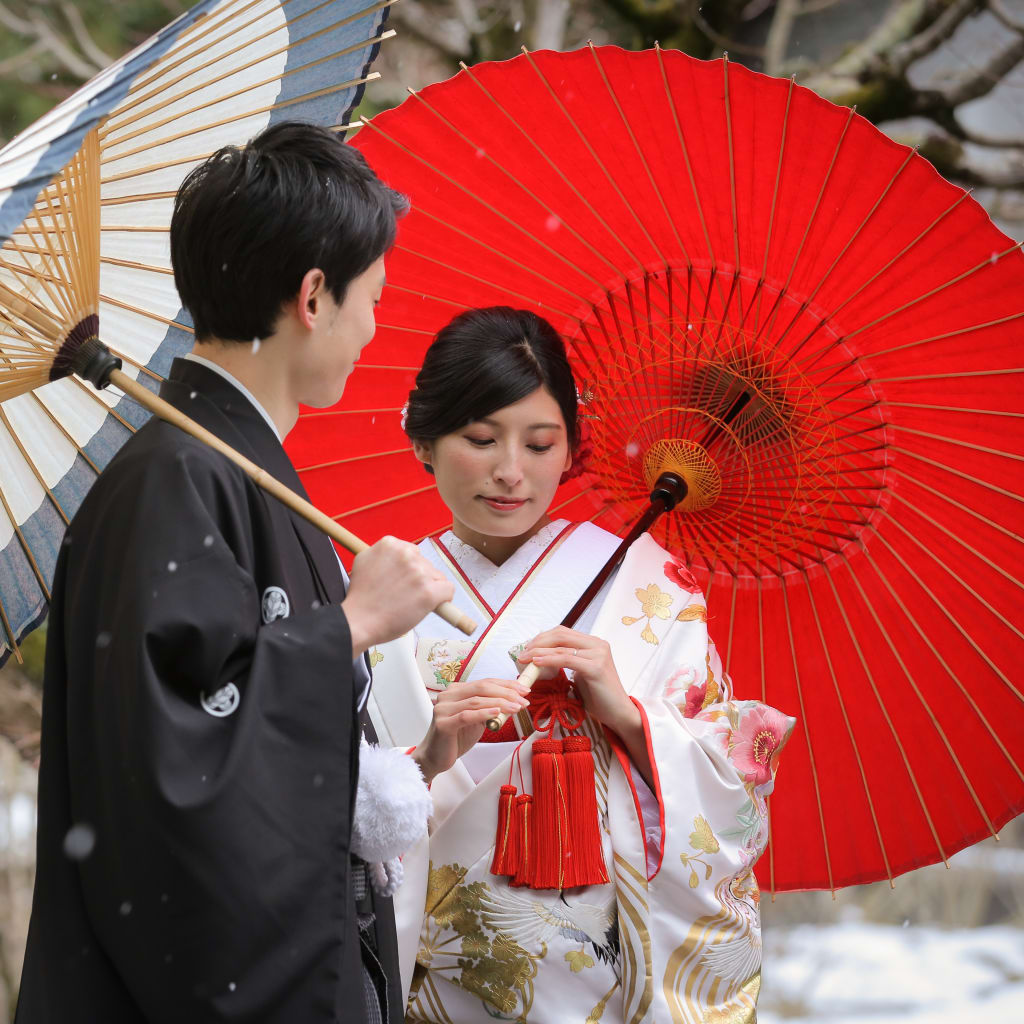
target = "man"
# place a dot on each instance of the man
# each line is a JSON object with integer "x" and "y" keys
{"x": 204, "y": 671}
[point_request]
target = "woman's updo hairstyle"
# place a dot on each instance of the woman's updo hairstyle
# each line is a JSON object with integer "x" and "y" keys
{"x": 484, "y": 360}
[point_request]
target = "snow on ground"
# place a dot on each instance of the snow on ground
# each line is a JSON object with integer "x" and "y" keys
{"x": 856, "y": 973}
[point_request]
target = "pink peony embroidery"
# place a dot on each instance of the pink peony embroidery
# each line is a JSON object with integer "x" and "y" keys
{"x": 695, "y": 697}
{"x": 677, "y": 573}
{"x": 761, "y": 732}
{"x": 680, "y": 680}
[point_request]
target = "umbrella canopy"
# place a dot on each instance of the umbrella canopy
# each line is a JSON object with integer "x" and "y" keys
{"x": 86, "y": 196}
{"x": 762, "y": 292}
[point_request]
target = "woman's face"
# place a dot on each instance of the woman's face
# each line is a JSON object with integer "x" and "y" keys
{"x": 499, "y": 474}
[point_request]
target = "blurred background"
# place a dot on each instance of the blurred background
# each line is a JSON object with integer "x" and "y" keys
{"x": 945, "y": 946}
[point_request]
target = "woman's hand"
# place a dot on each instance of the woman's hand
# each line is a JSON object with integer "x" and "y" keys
{"x": 597, "y": 682}
{"x": 460, "y": 715}
{"x": 596, "y": 679}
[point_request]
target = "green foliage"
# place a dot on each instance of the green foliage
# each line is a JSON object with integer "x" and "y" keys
{"x": 33, "y": 650}
{"x": 45, "y": 55}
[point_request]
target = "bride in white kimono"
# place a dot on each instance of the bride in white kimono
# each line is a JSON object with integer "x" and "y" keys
{"x": 680, "y": 770}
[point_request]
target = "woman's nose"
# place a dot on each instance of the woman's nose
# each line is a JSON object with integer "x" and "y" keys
{"x": 509, "y": 468}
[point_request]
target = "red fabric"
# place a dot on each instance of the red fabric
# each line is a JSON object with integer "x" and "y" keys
{"x": 688, "y": 225}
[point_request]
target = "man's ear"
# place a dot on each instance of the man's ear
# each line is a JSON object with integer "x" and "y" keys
{"x": 311, "y": 297}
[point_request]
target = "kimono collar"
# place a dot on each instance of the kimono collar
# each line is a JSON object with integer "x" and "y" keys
{"x": 223, "y": 408}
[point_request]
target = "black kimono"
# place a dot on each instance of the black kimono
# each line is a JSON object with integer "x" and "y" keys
{"x": 200, "y": 748}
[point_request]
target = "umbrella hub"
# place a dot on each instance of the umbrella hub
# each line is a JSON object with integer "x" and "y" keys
{"x": 690, "y": 461}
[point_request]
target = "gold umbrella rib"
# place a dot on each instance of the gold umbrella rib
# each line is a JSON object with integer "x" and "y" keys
{"x": 385, "y": 501}
{"x": 885, "y": 711}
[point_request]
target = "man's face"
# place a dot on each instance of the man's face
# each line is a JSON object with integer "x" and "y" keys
{"x": 338, "y": 337}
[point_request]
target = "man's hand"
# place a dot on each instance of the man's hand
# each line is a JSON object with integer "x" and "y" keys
{"x": 392, "y": 588}
{"x": 460, "y": 714}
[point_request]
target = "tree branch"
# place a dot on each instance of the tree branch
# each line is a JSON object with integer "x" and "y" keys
{"x": 448, "y": 35}
{"x": 716, "y": 37}
{"x": 1000, "y": 10}
{"x": 780, "y": 30}
{"x": 900, "y": 57}
{"x": 82, "y": 37}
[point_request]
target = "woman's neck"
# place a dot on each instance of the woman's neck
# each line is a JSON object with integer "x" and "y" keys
{"x": 496, "y": 549}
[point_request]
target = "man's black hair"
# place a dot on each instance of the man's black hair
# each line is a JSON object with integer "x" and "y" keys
{"x": 249, "y": 223}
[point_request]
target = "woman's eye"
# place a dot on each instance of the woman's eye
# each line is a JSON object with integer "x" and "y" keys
{"x": 540, "y": 448}
{"x": 480, "y": 442}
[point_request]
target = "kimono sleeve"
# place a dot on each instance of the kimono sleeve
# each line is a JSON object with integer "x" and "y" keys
{"x": 215, "y": 758}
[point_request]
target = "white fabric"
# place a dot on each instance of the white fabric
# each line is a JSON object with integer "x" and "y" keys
{"x": 684, "y": 913}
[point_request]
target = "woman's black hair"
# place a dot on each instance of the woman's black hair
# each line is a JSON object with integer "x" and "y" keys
{"x": 249, "y": 223}
{"x": 482, "y": 361}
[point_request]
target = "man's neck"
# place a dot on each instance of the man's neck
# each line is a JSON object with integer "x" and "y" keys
{"x": 258, "y": 366}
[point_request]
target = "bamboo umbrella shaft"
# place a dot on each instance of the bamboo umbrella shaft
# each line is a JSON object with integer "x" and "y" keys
{"x": 270, "y": 484}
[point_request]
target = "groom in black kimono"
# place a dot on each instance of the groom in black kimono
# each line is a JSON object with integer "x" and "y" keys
{"x": 205, "y": 671}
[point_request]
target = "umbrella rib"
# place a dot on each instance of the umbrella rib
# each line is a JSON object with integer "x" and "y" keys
{"x": 597, "y": 160}
{"x": 139, "y": 172}
{"x": 486, "y": 205}
{"x": 561, "y": 174}
{"x": 490, "y": 284}
{"x": 146, "y": 313}
{"x": 1009, "y": 318}
{"x": 60, "y": 426}
{"x": 384, "y": 501}
{"x": 686, "y": 159}
{"x": 856, "y": 234}
{"x": 108, "y": 409}
{"x": 118, "y": 123}
{"x": 956, "y": 472}
{"x": 884, "y": 709}
{"x": 732, "y": 180}
{"x": 639, "y": 152}
{"x": 882, "y": 270}
{"x": 495, "y": 252}
{"x": 113, "y": 142}
{"x": 952, "y": 536}
{"x": 133, "y": 265}
{"x": 952, "y": 675}
{"x": 807, "y": 734}
{"x": 140, "y": 197}
{"x": 810, "y": 223}
{"x": 960, "y": 444}
{"x": 991, "y": 261}
{"x": 849, "y": 732}
{"x": 956, "y": 504}
{"x": 945, "y": 376}
{"x": 10, "y": 633}
{"x": 952, "y": 618}
{"x": 775, "y": 198}
{"x": 24, "y": 544}
{"x": 953, "y": 408}
{"x": 913, "y": 683}
{"x": 31, "y": 464}
{"x": 352, "y": 458}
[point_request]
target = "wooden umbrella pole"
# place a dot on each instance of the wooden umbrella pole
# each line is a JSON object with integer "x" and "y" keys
{"x": 270, "y": 484}
{"x": 669, "y": 490}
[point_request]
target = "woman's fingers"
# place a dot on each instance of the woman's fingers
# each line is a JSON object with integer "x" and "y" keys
{"x": 453, "y": 708}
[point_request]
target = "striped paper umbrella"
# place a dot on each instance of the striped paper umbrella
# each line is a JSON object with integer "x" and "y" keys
{"x": 86, "y": 195}
{"x": 764, "y": 294}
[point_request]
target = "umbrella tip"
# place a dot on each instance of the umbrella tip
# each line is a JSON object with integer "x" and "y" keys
{"x": 462, "y": 64}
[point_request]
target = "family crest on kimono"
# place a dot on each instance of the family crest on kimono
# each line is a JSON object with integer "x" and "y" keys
{"x": 593, "y": 859}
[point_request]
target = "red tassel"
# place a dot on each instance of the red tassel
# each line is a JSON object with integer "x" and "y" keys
{"x": 522, "y": 814}
{"x": 549, "y": 842}
{"x": 585, "y": 864}
{"x": 506, "y": 838}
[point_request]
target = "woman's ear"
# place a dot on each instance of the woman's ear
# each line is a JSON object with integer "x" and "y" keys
{"x": 569, "y": 456}
{"x": 423, "y": 451}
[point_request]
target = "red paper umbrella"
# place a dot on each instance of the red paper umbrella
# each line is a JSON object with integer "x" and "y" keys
{"x": 762, "y": 292}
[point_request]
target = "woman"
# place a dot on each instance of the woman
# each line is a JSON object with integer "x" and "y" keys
{"x": 668, "y": 927}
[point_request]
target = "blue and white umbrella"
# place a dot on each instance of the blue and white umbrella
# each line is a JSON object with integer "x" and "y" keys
{"x": 85, "y": 202}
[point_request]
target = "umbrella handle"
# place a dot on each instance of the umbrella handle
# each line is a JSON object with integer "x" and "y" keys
{"x": 527, "y": 677}
{"x": 270, "y": 484}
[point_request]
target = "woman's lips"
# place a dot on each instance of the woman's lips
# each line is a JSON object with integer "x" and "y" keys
{"x": 503, "y": 504}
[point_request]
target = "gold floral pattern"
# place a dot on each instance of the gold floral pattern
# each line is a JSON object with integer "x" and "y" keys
{"x": 654, "y": 604}
{"x": 693, "y": 613}
{"x": 375, "y": 658}
{"x": 578, "y": 960}
{"x": 703, "y": 840}
{"x": 458, "y": 945}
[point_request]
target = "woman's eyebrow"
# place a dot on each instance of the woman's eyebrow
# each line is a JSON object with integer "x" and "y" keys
{"x": 532, "y": 426}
